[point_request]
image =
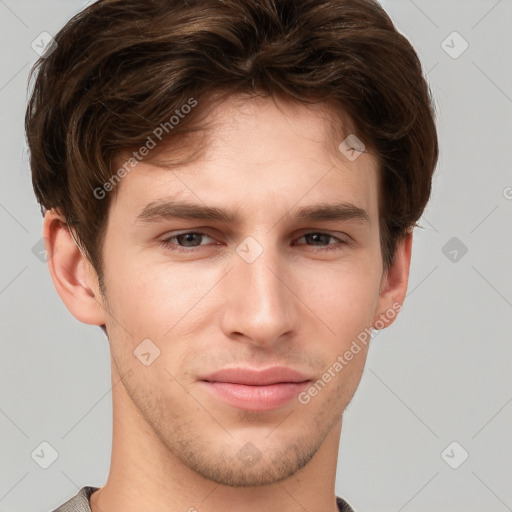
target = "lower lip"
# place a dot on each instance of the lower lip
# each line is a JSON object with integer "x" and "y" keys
{"x": 256, "y": 398}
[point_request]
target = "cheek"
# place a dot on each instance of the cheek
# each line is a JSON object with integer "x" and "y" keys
{"x": 345, "y": 307}
{"x": 167, "y": 304}
{"x": 346, "y": 298}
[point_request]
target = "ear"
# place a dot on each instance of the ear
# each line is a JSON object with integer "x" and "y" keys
{"x": 394, "y": 285}
{"x": 73, "y": 275}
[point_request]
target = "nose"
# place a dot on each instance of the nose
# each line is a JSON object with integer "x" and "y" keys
{"x": 260, "y": 305}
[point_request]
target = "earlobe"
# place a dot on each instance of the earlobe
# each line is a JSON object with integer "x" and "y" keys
{"x": 394, "y": 285}
{"x": 71, "y": 272}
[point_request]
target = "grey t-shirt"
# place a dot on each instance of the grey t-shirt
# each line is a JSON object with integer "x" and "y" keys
{"x": 80, "y": 502}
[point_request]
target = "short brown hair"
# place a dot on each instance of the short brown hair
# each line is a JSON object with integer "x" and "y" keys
{"x": 121, "y": 68}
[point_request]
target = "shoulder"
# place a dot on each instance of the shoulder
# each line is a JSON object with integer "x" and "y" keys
{"x": 79, "y": 502}
{"x": 343, "y": 506}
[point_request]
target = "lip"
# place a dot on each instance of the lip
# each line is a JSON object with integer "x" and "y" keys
{"x": 256, "y": 390}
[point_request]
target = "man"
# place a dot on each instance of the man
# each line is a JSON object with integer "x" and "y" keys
{"x": 229, "y": 191}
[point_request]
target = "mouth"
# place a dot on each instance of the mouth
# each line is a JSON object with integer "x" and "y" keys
{"x": 256, "y": 390}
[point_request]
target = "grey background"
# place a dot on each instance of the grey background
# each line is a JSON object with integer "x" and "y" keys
{"x": 440, "y": 374}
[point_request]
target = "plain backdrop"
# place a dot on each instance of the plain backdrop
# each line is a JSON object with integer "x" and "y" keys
{"x": 430, "y": 425}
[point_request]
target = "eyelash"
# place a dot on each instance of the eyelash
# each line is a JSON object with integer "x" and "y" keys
{"x": 175, "y": 247}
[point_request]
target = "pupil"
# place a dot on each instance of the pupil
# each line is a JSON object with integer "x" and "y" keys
{"x": 189, "y": 237}
{"x": 317, "y": 237}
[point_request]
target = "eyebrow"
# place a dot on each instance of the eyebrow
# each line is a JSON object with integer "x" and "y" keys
{"x": 168, "y": 210}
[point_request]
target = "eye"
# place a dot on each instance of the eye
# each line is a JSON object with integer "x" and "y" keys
{"x": 190, "y": 239}
{"x": 319, "y": 239}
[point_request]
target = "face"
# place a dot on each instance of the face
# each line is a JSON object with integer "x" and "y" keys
{"x": 220, "y": 320}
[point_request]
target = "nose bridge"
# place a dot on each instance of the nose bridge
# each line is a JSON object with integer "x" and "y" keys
{"x": 259, "y": 304}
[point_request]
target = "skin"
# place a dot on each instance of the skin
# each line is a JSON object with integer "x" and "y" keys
{"x": 298, "y": 305}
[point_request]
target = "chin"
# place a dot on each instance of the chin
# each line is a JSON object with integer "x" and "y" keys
{"x": 248, "y": 467}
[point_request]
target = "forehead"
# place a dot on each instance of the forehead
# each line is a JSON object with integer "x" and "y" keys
{"x": 257, "y": 151}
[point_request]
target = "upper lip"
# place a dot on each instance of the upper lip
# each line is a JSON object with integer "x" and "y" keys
{"x": 263, "y": 377}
